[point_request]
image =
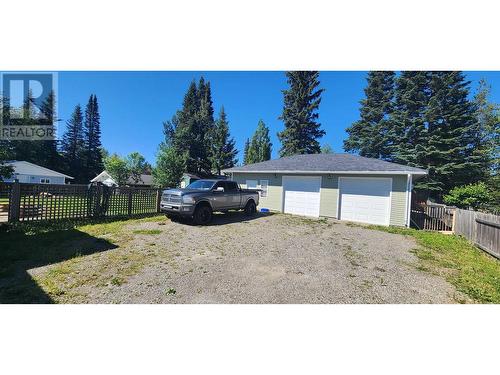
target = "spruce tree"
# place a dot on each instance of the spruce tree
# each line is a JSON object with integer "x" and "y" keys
{"x": 369, "y": 136}
{"x": 185, "y": 130}
{"x": 300, "y": 117}
{"x": 205, "y": 126}
{"x": 73, "y": 146}
{"x": 487, "y": 133}
{"x": 49, "y": 156}
{"x": 260, "y": 146}
{"x": 408, "y": 131}
{"x": 245, "y": 153}
{"x": 93, "y": 163}
{"x": 222, "y": 148}
{"x": 452, "y": 160}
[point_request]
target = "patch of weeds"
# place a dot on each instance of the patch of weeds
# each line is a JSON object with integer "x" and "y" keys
{"x": 147, "y": 231}
{"x": 352, "y": 256}
{"x": 170, "y": 291}
{"x": 471, "y": 270}
{"x": 366, "y": 284}
{"x": 380, "y": 269}
{"x": 117, "y": 281}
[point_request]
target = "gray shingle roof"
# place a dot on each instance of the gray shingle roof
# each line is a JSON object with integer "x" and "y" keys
{"x": 327, "y": 163}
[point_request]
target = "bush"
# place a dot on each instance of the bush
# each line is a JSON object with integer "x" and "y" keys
{"x": 472, "y": 196}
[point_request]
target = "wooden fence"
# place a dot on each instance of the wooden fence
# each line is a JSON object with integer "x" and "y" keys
{"x": 480, "y": 228}
{"x": 35, "y": 202}
{"x": 435, "y": 217}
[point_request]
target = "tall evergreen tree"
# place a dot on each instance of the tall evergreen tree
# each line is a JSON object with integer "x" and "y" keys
{"x": 206, "y": 124}
{"x": 300, "y": 117}
{"x": 245, "y": 152}
{"x": 49, "y": 155}
{"x": 408, "y": 124}
{"x": 487, "y": 132}
{"x": 222, "y": 149}
{"x": 369, "y": 136}
{"x": 260, "y": 145}
{"x": 93, "y": 162}
{"x": 191, "y": 127}
{"x": 73, "y": 145}
{"x": 452, "y": 158}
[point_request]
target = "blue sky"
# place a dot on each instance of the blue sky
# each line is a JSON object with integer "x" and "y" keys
{"x": 133, "y": 105}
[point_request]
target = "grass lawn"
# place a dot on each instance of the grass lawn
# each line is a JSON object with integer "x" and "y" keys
{"x": 471, "y": 270}
{"x": 64, "y": 245}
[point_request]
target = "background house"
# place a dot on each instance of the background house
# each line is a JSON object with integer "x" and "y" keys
{"x": 343, "y": 186}
{"x": 145, "y": 180}
{"x": 30, "y": 173}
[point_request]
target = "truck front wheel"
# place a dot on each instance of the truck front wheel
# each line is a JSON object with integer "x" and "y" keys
{"x": 250, "y": 208}
{"x": 202, "y": 215}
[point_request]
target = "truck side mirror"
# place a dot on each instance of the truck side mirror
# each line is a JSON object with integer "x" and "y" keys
{"x": 219, "y": 189}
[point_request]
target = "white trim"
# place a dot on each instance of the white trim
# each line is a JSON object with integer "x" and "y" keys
{"x": 333, "y": 172}
{"x": 366, "y": 178}
{"x": 409, "y": 183}
{"x": 283, "y": 191}
{"x": 262, "y": 190}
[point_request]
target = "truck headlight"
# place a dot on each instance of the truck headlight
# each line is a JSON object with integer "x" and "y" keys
{"x": 187, "y": 199}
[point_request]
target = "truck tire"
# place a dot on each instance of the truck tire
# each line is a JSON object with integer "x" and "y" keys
{"x": 250, "y": 208}
{"x": 202, "y": 215}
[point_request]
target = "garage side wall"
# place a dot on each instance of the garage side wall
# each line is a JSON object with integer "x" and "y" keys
{"x": 398, "y": 201}
{"x": 273, "y": 201}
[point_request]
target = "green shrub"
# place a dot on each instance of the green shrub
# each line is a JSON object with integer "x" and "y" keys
{"x": 470, "y": 196}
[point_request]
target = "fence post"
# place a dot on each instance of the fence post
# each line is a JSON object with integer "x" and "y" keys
{"x": 129, "y": 202}
{"x": 15, "y": 202}
{"x": 158, "y": 200}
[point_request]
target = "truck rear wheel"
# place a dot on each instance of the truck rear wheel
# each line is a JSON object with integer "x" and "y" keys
{"x": 250, "y": 208}
{"x": 202, "y": 215}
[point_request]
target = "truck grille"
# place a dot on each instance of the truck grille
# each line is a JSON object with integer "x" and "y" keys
{"x": 170, "y": 198}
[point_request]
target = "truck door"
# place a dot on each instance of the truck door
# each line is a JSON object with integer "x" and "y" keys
{"x": 233, "y": 195}
{"x": 219, "y": 198}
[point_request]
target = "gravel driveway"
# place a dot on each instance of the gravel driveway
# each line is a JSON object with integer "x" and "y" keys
{"x": 271, "y": 259}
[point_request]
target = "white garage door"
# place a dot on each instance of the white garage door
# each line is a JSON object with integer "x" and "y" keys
{"x": 367, "y": 200}
{"x": 302, "y": 195}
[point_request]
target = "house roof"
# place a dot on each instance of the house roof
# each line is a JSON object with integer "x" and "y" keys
{"x": 27, "y": 168}
{"x": 145, "y": 179}
{"x": 327, "y": 163}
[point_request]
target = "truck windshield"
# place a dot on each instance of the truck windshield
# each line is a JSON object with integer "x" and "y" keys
{"x": 201, "y": 185}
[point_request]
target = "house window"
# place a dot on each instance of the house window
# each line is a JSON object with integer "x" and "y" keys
{"x": 252, "y": 184}
{"x": 45, "y": 180}
{"x": 263, "y": 187}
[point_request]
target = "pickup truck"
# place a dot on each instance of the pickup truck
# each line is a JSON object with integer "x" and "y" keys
{"x": 203, "y": 197}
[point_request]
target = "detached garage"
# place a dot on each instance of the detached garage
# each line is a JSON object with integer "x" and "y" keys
{"x": 343, "y": 186}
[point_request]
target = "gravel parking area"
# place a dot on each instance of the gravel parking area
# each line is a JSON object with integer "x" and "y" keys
{"x": 266, "y": 259}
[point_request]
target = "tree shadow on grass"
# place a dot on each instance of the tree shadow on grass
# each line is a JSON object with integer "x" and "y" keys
{"x": 24, "y": 248}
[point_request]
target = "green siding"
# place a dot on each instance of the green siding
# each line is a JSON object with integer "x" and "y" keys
{"x": 398, "y": 201}
{"x": 273, "y": 201}
{"x": 329, "y": 196}
{"x": 329, "y": 193}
